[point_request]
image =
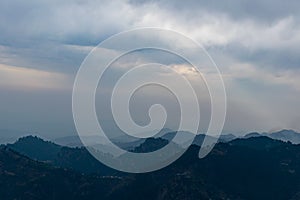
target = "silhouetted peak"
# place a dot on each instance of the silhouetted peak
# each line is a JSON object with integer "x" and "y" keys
{"x": 35, "y": 147}
{"x": 253, "y": 134}
{"x": 262, "y": 142}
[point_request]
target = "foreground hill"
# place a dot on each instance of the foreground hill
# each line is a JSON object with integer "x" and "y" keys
{"x": 77, "y": 159}
{"x": 23, "y": 178}
{"x": 36, "y": 148}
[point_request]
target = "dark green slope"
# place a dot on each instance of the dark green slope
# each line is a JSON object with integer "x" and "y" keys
{"x": 23, "y": 178}
{"x": 77, "y": 159}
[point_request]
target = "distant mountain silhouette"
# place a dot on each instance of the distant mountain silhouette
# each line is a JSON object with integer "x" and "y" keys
{"x": 95, "y": 140}
{"x": 71, "y": 141}
{"x": 283, "y": 135}
{"x": 129, "y": 143}
{"x": 286, "y": 135}
{"x": 253, "y": 134}
{"x": 226, "y": 137}
{"x": 198, "y": 140}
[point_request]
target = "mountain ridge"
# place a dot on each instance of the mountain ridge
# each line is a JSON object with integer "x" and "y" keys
{"x": 262, "y": 164}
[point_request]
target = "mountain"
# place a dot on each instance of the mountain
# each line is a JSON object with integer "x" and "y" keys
{"x": 129, "y": 142}
{"x": 197, "y": 140}
{"x": 150, "y": 145}
{"x": 253, "y": 134}
{"x": 286, "y": 135}
{"x": 95, "y": 140}
{"x": 75, "y": 141}
{"x": 9, "y": 136}
{"x": 226, "y": 137}
{"x": 163, "y": 132}
{"x": 283, "y": 135}
{"x": 23, "y": 178}
{"x": 256, "y": 168}
{"x": 253, "y": 168}
{"x": 69, "y": 141}
{"x": 258, "y": 143}
{"x": 78, "y": 159}
{"x": 36, "y": 148}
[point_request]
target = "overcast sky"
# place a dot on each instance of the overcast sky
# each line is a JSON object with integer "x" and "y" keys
{"x": 255, "y": 44}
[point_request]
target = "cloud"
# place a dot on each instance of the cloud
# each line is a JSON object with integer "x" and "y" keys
{"x": 247, "y": 30}
{"x": 255, "y": 44}
{"x": 245, "y": 71}
{"x": 265, "y": 11}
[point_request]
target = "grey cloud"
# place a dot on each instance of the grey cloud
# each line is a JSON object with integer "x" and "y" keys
{"x": 23, "y": 23}
{"x": 36, "y": 34}
{"x": 270, "y": 59}
{"x": 264, "y": 11}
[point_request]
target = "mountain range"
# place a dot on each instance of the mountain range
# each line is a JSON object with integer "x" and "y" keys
{"x": 244, "y": 168}
{"x": 283, "y": 135}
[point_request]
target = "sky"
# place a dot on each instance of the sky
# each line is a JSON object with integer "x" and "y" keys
{"x": 255, "y": 44}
